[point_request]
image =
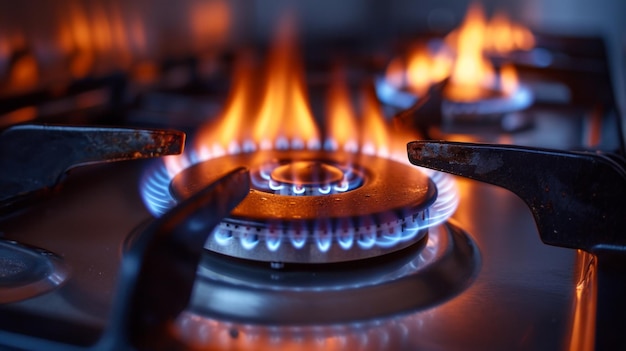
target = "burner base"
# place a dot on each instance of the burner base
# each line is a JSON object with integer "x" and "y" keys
{"x": 444, "y": 267}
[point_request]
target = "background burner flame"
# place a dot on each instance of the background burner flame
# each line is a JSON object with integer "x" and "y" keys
{"x": 463, "y": 57}
{"x": 472, "y": 72}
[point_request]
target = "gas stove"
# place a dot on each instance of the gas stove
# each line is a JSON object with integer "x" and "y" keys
{"x": 338, "y": 207}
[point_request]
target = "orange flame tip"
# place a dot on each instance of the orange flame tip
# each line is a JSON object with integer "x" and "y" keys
{"x": 340, "y": 116}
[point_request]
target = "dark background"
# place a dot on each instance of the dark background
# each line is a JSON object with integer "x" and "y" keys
{"x": 178, "y": 28}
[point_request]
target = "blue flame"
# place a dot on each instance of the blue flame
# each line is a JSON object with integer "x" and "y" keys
{"x": 324, "y": 189}
{"x": 391, "y": 95}
{"x": 155, "y": 190}
{"x": 273, "y": 242}
{"x": 297, "y": 238}
{"x": 223, "y": 237}
{"x": 249, "y": 241}
{"x": 323, "y": 241}
{"x": 346, "y": 239}
{"x": 262, "y": 180}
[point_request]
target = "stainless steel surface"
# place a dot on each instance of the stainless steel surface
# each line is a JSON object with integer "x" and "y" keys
{"x": 519, "y": 276}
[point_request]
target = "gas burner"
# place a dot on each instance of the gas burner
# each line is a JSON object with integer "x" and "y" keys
{"x": 314, "y": 206}
{"x": 494, "y": 103}
{"x": 387, "y": 212}
{"x": 26, "y": 272}
{"x": 305, "y": 177}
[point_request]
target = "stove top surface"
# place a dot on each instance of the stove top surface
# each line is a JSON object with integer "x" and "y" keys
{"x": 89, "y": 221}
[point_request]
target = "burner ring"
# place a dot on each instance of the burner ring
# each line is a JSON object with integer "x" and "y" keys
{"x": 304, "y": 177}
{"x": 387, "y": 212}
{"x": 307, "y": 173}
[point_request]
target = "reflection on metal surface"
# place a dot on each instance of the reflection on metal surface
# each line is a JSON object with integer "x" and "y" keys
{"x": 583, "y": 321}
{"x": 26, "y": 272}
{"x": 317, "y": 295}
{"x": 386, "y": 334}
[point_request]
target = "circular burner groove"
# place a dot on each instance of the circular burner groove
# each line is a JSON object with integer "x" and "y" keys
{"x": 307, "y": 173}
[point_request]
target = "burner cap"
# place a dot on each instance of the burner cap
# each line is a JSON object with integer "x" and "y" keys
{"x": 341, "y": 206}
{"x": 305, "y": 177}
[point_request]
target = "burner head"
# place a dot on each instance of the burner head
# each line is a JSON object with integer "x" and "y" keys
{"x": 305, "y": 177}
{"x": 307, "y": 173}
{"x": 316, "y": 207}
